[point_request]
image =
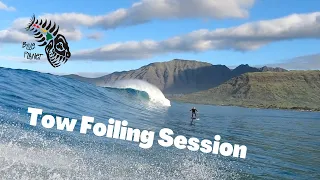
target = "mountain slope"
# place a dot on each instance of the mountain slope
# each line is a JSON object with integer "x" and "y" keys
{"x": 287, "y": 90}
{"x": 172, "y": 76}
{"x": 177, "y": 76}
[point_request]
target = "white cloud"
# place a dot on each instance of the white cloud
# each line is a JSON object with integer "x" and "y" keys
{"x": 13, "y": 36}
{"x": 249, "y": 36}
{"x": 95, "y": 36}
{"x": 71, "y": 34}
{"x": 147, "y": 10}
{"x": 308, "y": 62}
{"x": 16, "y": 34}
{"x": 138, "y": 13}
{"x": 5, "y": 7}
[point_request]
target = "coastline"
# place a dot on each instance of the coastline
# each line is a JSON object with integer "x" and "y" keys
{"x": 297, "y": 108}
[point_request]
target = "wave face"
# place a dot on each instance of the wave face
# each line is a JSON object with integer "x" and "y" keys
{"x": 276, "y": 139}
{"x": 131, "y": 93}
{"x": 154, "y": 93}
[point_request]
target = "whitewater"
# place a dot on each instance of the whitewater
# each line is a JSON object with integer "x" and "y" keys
{"x": 155, "y": 95}
{"x": 34, "y": 152}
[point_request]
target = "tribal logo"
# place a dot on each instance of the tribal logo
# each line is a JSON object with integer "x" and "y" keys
{"x": 56, "y": 45}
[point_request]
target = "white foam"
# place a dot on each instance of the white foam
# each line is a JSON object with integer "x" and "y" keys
{"x": 154, "y": 93}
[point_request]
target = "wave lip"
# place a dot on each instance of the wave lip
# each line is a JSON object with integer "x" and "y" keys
{"x": 154, "y": 93}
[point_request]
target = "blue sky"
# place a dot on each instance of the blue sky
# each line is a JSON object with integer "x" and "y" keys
{"x": 160, "y": 28}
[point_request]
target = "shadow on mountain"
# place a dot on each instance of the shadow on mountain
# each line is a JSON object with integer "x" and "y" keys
{"x": 203, "y": 78}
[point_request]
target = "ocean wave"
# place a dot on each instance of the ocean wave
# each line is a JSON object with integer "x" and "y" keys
{"x": 131, "y": 92}
{"x": 154, "y": 93}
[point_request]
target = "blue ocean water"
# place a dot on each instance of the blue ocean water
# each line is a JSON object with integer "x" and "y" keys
{"x": 281, "y": 144}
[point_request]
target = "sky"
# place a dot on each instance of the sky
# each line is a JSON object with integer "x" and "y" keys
{"x": 108, "y": 36}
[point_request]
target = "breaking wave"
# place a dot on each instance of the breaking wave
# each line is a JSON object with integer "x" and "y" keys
{"x": 155, "y": 95}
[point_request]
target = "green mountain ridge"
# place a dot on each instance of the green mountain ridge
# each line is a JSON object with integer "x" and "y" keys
{"x": 283, "y": 90}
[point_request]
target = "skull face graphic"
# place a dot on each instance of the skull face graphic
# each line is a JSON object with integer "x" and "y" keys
{"x": 57, "y": 49}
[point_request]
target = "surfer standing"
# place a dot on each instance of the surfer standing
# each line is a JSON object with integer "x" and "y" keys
{"x": 194, "y": 110}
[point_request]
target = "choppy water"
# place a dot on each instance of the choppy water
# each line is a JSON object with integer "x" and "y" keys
{"x": 281, "y": 144}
